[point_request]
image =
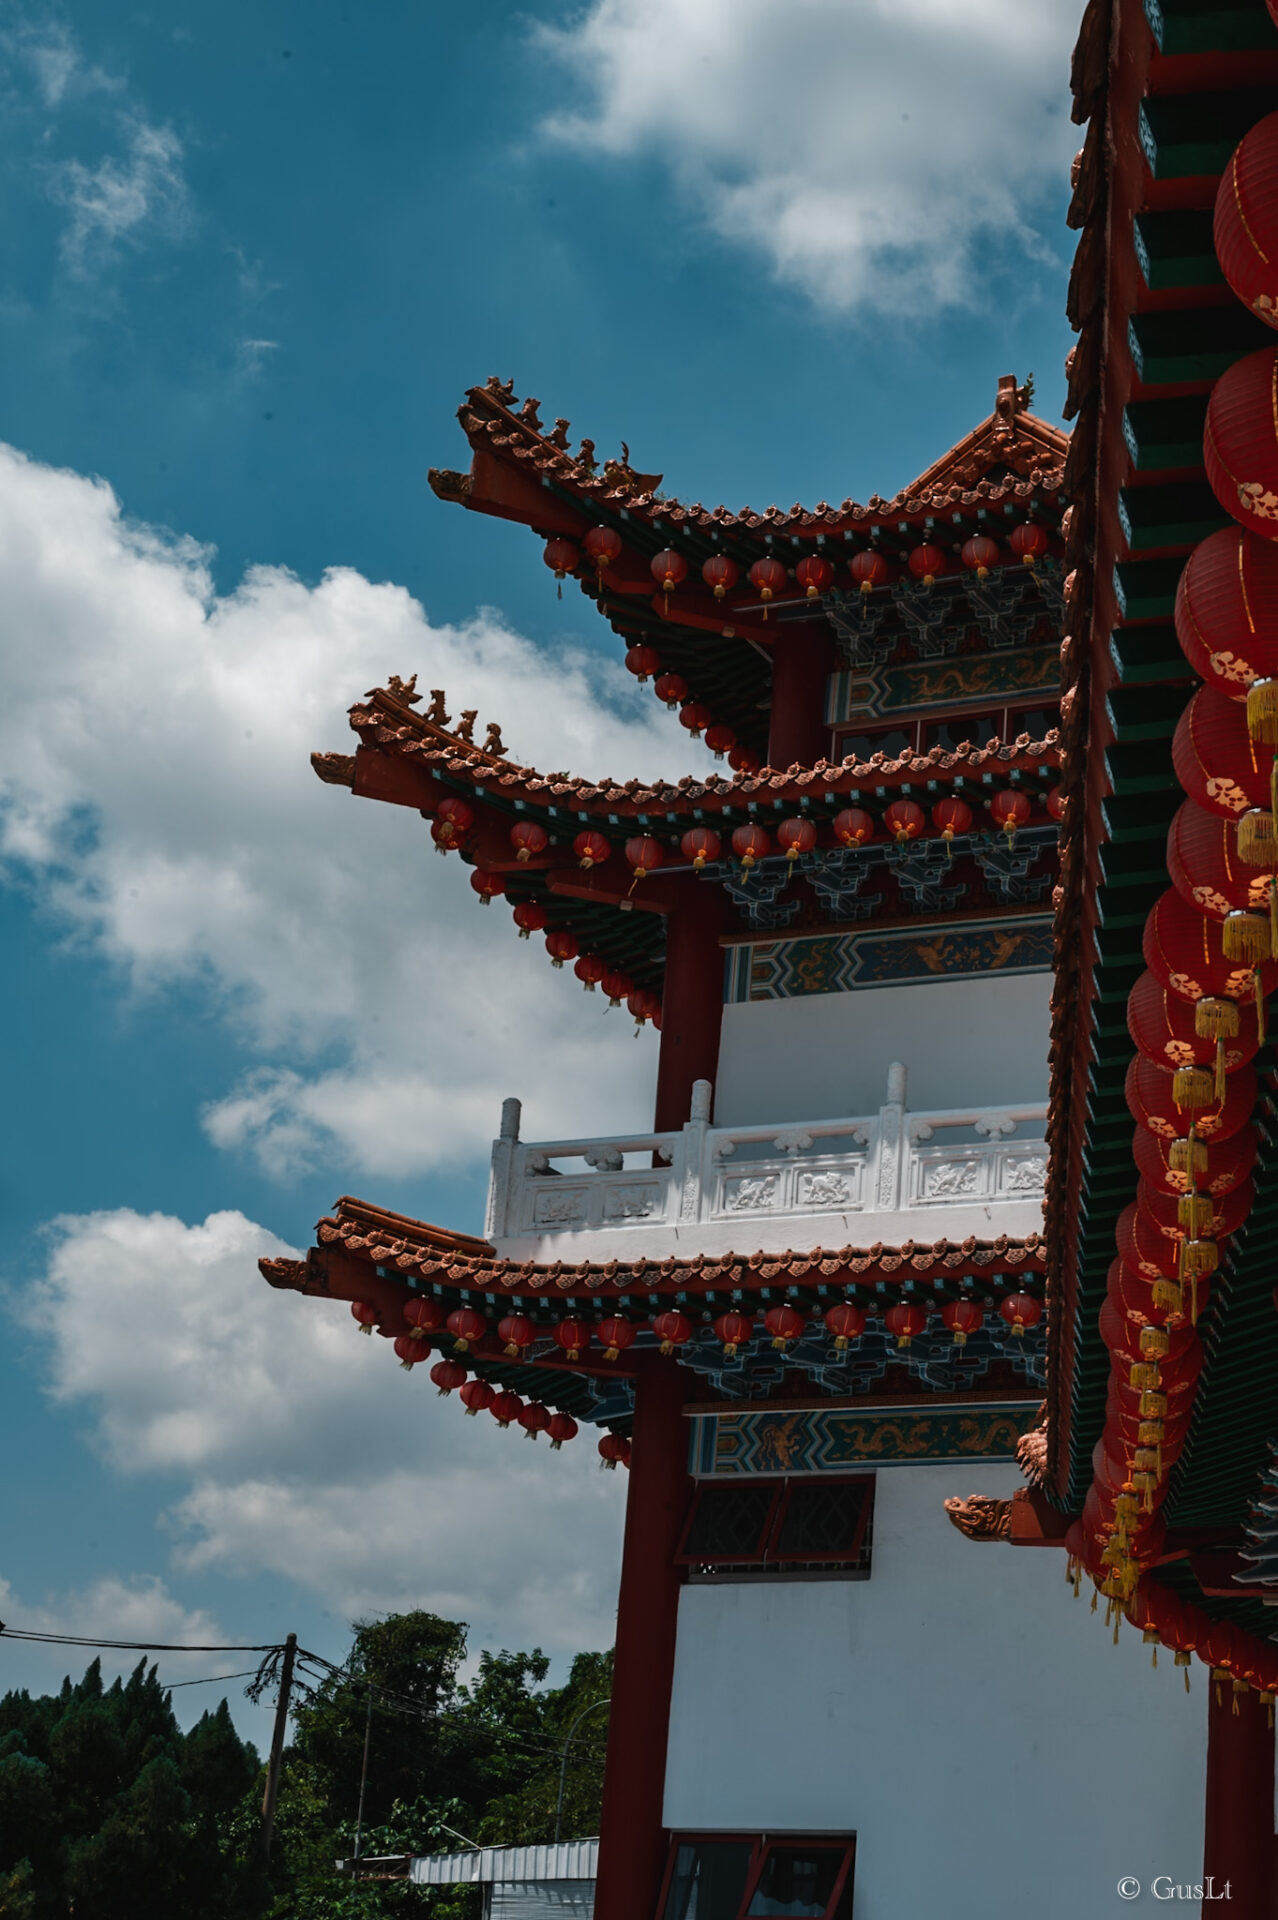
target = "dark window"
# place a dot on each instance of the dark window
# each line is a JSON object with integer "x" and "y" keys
{"x": 757, "y": 1527}
{"x": 748, "y": 1876}
{"x": 891, "y": 742}
{"x": 730, "y": 1520}
{"x": 823, "y": 1520}
{"x": 1037, "y": 722}
{"x": 802, "y": 1879}
{"x": 707, "y": 1879}
{"x": 975, "y": 728}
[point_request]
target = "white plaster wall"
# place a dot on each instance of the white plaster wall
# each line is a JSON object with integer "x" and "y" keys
{"x": 995, "y": 1754}
{"x": 966, "y": 1043}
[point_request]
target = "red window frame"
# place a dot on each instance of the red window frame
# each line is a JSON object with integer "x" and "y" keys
{"x": 767, "y": 1551}
{"x": 761, "y": 1845}
{"x": 917, "y": 724}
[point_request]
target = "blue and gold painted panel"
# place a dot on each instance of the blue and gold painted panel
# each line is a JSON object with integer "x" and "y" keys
{"x": 926, "y": 686}
{"x": 897, "y": 956}
{"x": 834, "y": 1439}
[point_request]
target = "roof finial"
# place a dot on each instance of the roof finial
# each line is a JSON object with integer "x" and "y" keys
{"x": 436, "y": 712}
{"x": 493, "y": 742}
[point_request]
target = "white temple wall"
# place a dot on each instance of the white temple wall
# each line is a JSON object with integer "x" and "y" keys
{"x": 966, "y": 1043}
{"x": 960, "y": 1711}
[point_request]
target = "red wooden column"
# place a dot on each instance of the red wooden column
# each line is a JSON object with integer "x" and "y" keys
{"x": 801, "y": 666}
{"x": 632, "y": 1841}
{"x": 692, "y": 1003}
{"x": 1238, "y": 1844}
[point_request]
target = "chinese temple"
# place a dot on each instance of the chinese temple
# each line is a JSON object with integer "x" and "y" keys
{"x": 957, "y": 956}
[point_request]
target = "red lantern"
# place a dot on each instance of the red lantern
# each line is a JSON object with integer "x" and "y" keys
{"x": 487, "y": 885}
{"x": 1227, "y": 610}
{"x": 1203, "y": 864}
{"x": 734, "y": 1329}
{"x": 1220, "y": 1166}
{"x": 423, "y": 1314}
{"x": 466, "y": 1326}
{"x": 696, "y": 717}
{"x": 410, "y": 1349}
{"x": 591, "y": 849}
{"x": 672, "y": 688}
{"x": 453, "y": 820}
{"x": 604, "y": 547}
{"x": 562, "y": 1427}
{"x": 590, "y": 970}
{"x": 1245, "y": 229}
{"x": 507, "y": 1406}
{"x": 447, "y": 1374}
{"x": 643, "y": 661}
{"x": 1056, "y": 803}
{"x": 814, "y": 575}
{"x": 979, "y": 554}
{"x": 616, "y": 1335}
{"x": 527, "y": 837}
{"x": 530, "y": 917}
{"x": 1010, "y": 810}
{"x": 795, "y": 837}
{"x": 1151, "y": 1099}
{"x": 1162, "y": 1025}
{"x": 617, "y": 985}
{"x": 1184, "y": 950}
{"x": 1240, "y": 441}
{"x": 962, "y": 1317}
{"x": 906, "y": 1321}
{"x": 1028, "y": 542}
{"x": 700, "y": 844}
{"x": 744, "y": 760}
{"x": 644, "y": 1005}
{"x": 853, "y": 827}
{"x": 668, "y": 569}
{"x": 952, "y": 816}
{"x": 574, "y": 1336}
{"x": 846, "y": 1322}
{"x": 1169, "y": 1216}
{"x": 561, "y": 945}
{"x": 721, "y": 573}
{"x": 534, "y": 1418}
{"x": 785, "y": 1324}
{"x": 1217, "y": 763}
{"x": 672, "y": 1329}
{"x": 720, "y": 739}
{"x": 1020, "y": 1310}
{"x": 614, "y": 1451}
{"x": 516, "y": 1333}
{"x": 869, "y": 570}
{"x": 477, "y": 1396}
{"x": 904, "y": 820}
{"x": 926, "y": 562}
{"x": 562, "y": 557}
{"x": 644, "y": 855}
{"x": 750, "y": 845}
{"x": 768, "y": 576}
{"x": 367, "y": 1315}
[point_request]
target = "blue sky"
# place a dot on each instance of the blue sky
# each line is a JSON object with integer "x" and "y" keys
{"x": 250, "y": 258}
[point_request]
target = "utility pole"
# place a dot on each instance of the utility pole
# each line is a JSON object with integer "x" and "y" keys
{"x": 277, "y": 1744}
{"x": 363, "y": 1779}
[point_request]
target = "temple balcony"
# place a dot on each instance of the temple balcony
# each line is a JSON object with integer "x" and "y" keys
{"x": 892, "y": 1176}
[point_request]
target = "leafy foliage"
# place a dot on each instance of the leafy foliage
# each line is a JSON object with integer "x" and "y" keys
{"x": 108, "y": 1811}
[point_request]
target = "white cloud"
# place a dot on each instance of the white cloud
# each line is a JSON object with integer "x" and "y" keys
{"x": 305, "y": 1449}
{"x": 139, "y": 193}
{"x": 870, "y": 150}
{"x": 51, "y": 55}
{"x": 155, "y": 787}
{"x": 140, "y": 1609}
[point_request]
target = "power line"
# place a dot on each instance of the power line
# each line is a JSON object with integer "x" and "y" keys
{"x": 129, "y": 1646}
{"x": 213, "y": 1679}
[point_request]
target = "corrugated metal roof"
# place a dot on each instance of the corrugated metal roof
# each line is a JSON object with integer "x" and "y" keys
{"x": 570, "y": 1860}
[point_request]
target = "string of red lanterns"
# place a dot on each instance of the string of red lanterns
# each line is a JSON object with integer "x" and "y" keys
{"x": 1210, "y": 945}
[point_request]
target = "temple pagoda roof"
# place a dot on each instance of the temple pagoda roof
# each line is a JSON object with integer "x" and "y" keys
{"x": 1007, "y": 471}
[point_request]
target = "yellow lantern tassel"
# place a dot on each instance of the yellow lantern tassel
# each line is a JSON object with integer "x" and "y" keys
{"x": 1093, "y": 1600}
{"x": 1185, "y": 1660}
{"x": 1155, "y": 1343}
{"x": 1267, "y": 1702}
{"x": 1258, "y": 839}
{"x": 1195, "y": 1212}
{"x": 1167, "y": 1297}
{"x": 1188, "y": 1156}
{"x": 1193, "y": 1088}
{"x": 1262, "y": 712}
{"x": 1150, "y": 1639}
{"x": 1240, "y": 1686}
{"x": 1245, "y": 936}
{"x": 1217, "y": 1019}
{"x": 1260, "y": 1005}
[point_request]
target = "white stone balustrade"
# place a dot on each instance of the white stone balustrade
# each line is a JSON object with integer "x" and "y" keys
{"x": 890, "y": 1176}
